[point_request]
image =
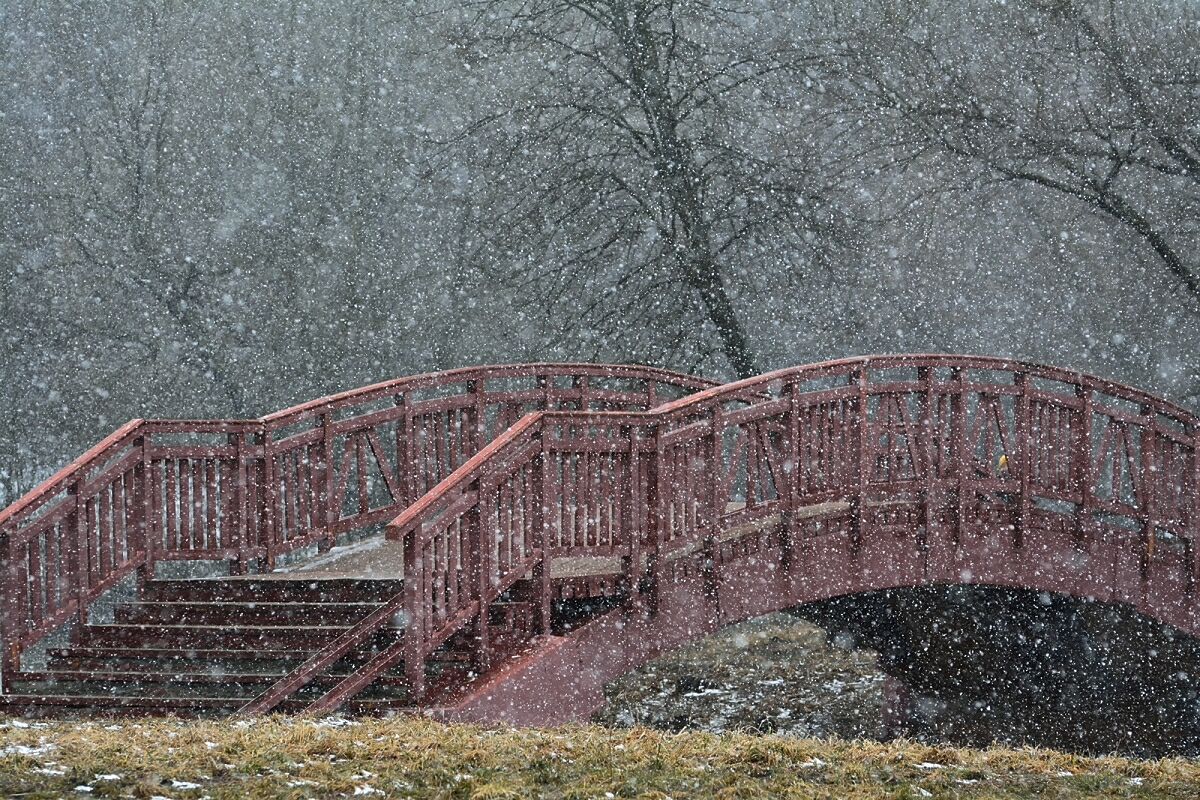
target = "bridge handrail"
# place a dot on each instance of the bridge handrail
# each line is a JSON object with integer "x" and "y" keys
{"x": 679, "y": 518}
{"x": 165, "y": 489}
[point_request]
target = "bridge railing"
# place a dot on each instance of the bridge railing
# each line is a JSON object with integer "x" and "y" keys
{"x": 250, "y": 491}
{"x": 887, "y": 440}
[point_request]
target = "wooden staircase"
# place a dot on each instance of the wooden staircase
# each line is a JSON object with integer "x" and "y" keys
{"x": 208, "y": 646}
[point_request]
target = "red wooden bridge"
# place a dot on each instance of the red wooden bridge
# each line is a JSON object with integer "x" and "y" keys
{"x": 555, "y": 525}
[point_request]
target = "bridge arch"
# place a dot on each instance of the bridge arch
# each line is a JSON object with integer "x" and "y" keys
{"x": 834, "y": 478}
{"x": 683, "y": 504}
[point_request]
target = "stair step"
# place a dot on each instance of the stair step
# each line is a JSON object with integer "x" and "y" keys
{"x": 279, "y": 590}
{"x": 194, "y": 612}
{"x": 51, "y": 705}
{"x": 226, "y": 637}
{"x": 183, "y": 678}
{"x": 192, "y": 656}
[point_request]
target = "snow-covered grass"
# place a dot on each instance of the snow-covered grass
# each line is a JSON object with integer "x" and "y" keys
{"x": 413, "y": 757}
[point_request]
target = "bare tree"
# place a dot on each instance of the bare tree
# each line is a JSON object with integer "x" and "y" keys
{"x": 1093, "y": 101}
{"x": 641, "y": 162}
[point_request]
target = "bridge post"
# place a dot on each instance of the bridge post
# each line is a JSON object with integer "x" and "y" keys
{"x": 1083, "y": 461}
{"x": 9, "y": 652}
{"x": 962, "y": 458}
{"x": 326, "y": 512}
{"x": 414, "y": 606}
{"x": 240, "y": 506}
{"x": 480, "y": 535}
{"x": 861, "y": 468}
{"x": 78, "y": 557}
{"x": 141, "y": 498}
{"x": 1024, "y": 455}
{"x": 1191, "y": 563}
{"x": 270, "y": 501}
{"x": 1145, "y": 490}
{"x": 711, "y": 549}
{"x": 541, "y": 571}
{"x": 656, "y": 494}
{"x": 631, "y": 521}
{"x": 793, "y": 472}
{"x": 928, "y": 469}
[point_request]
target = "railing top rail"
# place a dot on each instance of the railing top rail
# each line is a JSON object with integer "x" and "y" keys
{"x": 33, "y": 499}
{"x": 468, "y": 471}
{"x": 40, "y": 494}
{"x": 890, "y": 361}
{"x": 425, "y": 380}
{"x": 752, "y": 387}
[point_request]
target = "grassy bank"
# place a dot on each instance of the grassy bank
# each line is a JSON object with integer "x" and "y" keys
{"x": 417, "y": 758}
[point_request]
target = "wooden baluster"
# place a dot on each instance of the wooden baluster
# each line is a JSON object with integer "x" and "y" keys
{"x": 585, "y": 399}
{"x": 539, "y": 482}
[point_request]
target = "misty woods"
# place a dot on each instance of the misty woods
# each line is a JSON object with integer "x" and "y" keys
{"x": 216, "y": 208}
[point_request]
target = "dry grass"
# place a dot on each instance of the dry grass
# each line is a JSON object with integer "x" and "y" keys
{"x": 406, "y": 757}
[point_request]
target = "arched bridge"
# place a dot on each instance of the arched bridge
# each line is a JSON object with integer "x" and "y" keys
{"x": 560, "y": 524}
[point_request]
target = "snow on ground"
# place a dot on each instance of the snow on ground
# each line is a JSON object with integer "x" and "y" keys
{"x": 776, "y": 674}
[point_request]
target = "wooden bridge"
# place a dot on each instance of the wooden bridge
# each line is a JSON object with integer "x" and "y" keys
{"x": 556, "y": 525}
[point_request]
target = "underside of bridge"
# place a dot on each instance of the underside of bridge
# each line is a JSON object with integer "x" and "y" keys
{"x": 973, "y": 665}
{"x": 554, "y": 526}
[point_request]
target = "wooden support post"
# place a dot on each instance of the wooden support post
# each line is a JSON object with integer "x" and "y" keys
{"x": 326, "y": 512}
{"x": 240, "y": 521}
{"x": 924, "y": 449}
{"x": 1024, "y": 457}
{"x": 140, "y": 512}
{"x": 862, "y": 464}
{"x": 1193, "y": 527}
{"x": 416, "y": 630}
{"x": 631, "y": 521}
{"x": 404, "y": 465}
{"x": 962, "y": 457}
{"x": 541, "y": 542}
{"x": 79, "y": 558}
{"x": 481, "y": 533}
{"x": 711, "y": 548}
{"x": 1145, "y": 489}
{"x": 270, "y": 502}
{"x": 1083, "y": 464}
{"x": 656, "y": 516}
{"x": 10, "y": 621}
{"x": 793, "y": 473}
